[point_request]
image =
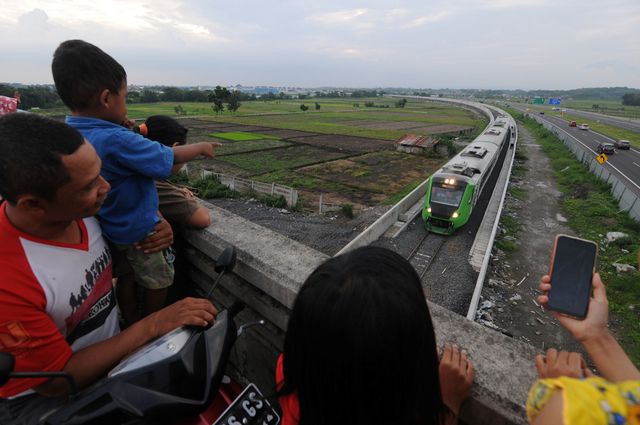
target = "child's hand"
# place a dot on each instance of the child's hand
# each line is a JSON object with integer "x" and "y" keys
{"x": 564, "y": 363}
{"x": 208, "y": 148}
{"x": 129, "y": 123}
{"x": 456, "y": 377}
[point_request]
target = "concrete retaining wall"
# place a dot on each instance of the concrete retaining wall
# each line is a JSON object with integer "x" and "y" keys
{"x": 270, "y": 270}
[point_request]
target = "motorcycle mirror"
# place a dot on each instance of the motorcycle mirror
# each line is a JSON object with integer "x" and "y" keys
{"x": 225, "y": 263}
{"x": 227, "y": 260}
{"x": 7, "y": 363}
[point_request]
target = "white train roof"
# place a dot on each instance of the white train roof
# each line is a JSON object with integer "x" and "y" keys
{"x": 471, "y": 163}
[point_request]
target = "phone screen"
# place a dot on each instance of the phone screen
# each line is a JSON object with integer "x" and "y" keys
{"x": 572, "y": 268}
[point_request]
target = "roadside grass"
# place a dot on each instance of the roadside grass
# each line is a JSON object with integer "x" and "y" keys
{"x": 510, "y": 227}
{"x": 609, "y": 130}
{"x": 591, "y": 213}
{"x": 508, "y": 239}
{"x": 241, "y": 136}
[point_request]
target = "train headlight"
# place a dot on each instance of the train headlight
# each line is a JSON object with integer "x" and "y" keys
{"x": 429, "y": 210}
{"x": 455, "y": 215}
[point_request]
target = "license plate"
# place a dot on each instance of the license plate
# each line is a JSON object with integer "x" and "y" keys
{"x": 249, "y": 408}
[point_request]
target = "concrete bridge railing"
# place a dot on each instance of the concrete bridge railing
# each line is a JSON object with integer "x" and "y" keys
{"x": 270, "y": 270}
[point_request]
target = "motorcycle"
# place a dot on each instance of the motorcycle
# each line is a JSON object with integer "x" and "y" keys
{"x": 177, "y": 378}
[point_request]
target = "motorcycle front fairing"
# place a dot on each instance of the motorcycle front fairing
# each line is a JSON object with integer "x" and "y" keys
{"x": 170, "y": 378}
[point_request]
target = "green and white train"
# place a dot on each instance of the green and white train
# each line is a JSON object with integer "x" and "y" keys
{"x": 453, "y": 190}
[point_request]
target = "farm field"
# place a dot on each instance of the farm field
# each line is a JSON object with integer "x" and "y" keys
{"x": 343, "y": 151}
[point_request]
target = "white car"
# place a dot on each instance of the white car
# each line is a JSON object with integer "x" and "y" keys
{"x": 583, "y": 127}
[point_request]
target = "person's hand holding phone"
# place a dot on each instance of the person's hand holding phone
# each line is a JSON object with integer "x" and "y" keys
{"x": 594, "y": 325}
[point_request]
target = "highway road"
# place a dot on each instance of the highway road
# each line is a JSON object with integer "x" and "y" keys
{"x": 624, "y": 163}
{"x": 627, "y": 124}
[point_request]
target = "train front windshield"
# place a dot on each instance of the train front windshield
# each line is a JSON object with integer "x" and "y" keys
{"x": 446, "y": 194}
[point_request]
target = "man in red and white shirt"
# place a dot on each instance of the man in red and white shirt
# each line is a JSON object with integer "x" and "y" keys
{"x": 57, "y": 306}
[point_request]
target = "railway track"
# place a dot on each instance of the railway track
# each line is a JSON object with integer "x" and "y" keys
{"x": 425, "y": 252}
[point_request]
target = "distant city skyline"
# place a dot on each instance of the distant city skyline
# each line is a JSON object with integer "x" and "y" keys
{"x": 455, "y": 44}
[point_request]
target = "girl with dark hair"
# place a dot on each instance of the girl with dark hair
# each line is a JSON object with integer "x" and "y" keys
{"x": 360, "y": 349}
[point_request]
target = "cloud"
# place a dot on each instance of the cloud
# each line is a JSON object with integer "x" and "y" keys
{"x": 338, "y": 17}
{"x": 427, "y": 19}
{"x": 118, "y": 17}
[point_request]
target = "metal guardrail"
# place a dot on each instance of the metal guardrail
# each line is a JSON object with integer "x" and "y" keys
{"x": 626, "y": 198}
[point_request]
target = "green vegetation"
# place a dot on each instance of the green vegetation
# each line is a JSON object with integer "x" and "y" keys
{"x": 511, "y": 228}
{"x": 238, "y": 136}
{"x": 592, "y": 212}
{"x": 250, "y": 146}
{"x": 347, "y": 210}
{"x": 260, "y": 162}
{"x": 335, "y": 116}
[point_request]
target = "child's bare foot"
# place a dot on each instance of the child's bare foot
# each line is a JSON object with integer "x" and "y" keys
{"x": 456, "y": 377}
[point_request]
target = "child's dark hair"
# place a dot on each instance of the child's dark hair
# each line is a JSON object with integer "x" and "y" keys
{"x": 360, "y": 346}
{"x": 32, "y": 147}
{"x": 165, "y": 130}
{"x": 82, "y": 71}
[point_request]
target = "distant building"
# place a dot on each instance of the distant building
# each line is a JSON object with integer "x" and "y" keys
{"x": 413, "y": 143}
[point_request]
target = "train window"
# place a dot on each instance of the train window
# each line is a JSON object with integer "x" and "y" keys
{"x": 447, "y": 195}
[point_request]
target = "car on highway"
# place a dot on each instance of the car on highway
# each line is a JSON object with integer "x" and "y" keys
{"x": 573, "y": 124}
{"x": 607, "y": 148}
{"x": 583, "y": 127}
{"x": 622, "y": 144}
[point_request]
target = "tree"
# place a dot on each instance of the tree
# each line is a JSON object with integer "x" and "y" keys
{"x": 317, "y": 106}
{"x": 234, "y": 102}
{"x": 149, "y": 96}
{"x": 217, "y": 106}
{"x": 401, "y": 103}
{"x": 303, "y": 107}
{"x": 631, "y": 99}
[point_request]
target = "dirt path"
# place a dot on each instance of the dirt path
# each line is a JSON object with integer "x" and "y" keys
{"x": 509, "y": 296}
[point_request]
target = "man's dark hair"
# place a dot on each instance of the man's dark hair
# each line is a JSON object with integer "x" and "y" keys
{"x": 360, "y": 347}
{"x": 81, "y": 71}
{"x": 166, "y": 130}
{"x": 32, "y": 147}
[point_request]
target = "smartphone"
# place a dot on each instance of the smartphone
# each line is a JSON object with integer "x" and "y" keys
{"x": 572, "y": 266}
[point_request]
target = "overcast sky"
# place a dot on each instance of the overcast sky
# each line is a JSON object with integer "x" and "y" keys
{"x": 488, "y": 44}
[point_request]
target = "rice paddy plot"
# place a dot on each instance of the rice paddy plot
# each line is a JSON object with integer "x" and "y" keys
{"x": 237, "y": 136}
{"x": 261, "y": 162}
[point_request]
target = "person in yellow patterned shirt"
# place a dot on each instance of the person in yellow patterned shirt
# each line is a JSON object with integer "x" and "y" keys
{"x": 567, "y": 391}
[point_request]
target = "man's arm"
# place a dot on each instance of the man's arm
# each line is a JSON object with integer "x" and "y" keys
{"x": 93, "y": 362}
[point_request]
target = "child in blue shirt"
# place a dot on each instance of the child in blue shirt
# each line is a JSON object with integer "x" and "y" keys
{"x": 94, "y": 87}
